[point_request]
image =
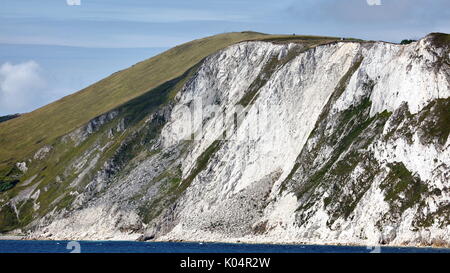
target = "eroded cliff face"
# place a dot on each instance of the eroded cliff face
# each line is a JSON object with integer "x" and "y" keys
{"x": 264, "y": 142}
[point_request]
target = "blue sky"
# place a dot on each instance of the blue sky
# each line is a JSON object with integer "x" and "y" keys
{"x": 49, "y": 49}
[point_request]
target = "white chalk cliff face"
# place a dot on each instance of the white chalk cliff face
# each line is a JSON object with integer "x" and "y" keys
{"x": 326, "y": 166}
{"x": 339, "y": 143}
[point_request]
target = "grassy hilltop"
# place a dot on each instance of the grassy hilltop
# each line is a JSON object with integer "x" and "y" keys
{"x": 21, "y": 137}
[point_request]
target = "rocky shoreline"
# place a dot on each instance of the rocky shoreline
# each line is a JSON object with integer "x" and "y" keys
{"x": 436, "y": 245}
{"x": 12, "y": 237}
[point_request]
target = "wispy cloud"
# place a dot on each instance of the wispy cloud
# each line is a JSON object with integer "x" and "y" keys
{"x": 121, "y": 40}
{"x": 20, "y": 85}
{"x": 164, "y": 15}
{"x": 147, "y": 13}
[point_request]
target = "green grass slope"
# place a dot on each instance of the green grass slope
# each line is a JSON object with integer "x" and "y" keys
{"x": 24, "y": 135}
{"x": 21, "y": 137}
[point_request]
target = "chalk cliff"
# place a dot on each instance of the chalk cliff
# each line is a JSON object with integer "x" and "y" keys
{"x": 339, "y": 142}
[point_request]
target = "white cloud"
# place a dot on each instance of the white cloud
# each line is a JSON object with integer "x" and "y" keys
{"x": 20, "y": 86}
{"x": 73, "y": 2}
{"x": 108, "y": 41}
{"x": 374, "y": 2}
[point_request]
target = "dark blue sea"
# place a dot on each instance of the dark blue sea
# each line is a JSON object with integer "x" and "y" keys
{"x": 13, "y": 246}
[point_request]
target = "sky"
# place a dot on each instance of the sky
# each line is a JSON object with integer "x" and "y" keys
{"x": 52, "y": 48}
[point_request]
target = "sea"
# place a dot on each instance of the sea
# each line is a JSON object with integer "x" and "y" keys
{"x": 23, "y": 246}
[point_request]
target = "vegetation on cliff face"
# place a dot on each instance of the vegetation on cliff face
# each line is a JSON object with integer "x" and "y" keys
{"x": 402, "y": 189}
{"x": 8, "y": 117}
{"x": 8, "y": 219}
{"x": 407, "y": 41}
{"x": 9, "y": 178}
{"x": 352, "y": 132}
